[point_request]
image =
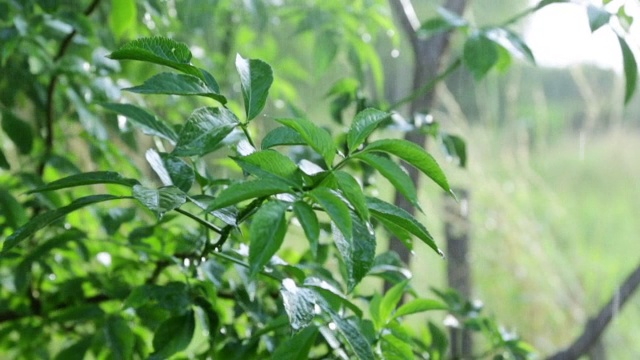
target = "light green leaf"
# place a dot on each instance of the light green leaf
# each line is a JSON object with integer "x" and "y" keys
{"x": 204, "y": 130}
{"x": 296, "y": 347}
{"x": 336, "y": 208}
{"x": 353, "y": 192}
{"x": 630, "y": 70}
{"x": 4, "y": 163}
{"x": 282, "y": 136}
{"x": 19, "y": 131}
{"x": 395, "y": 348}
{"x": 158, "y": 50}
{"x": 173, "y": 335}
{"x": 160, "y": 200}
{"x": 374, "y": 311}
{"x": 358, "y": 252}
{"x": 390, "y": 300}
{"x": 239, "y": 192}
{"x": 89, "y": 178}
{"x": 414, "y": 155}
{"x": 119, "y": 338}
{"x": 419, "y": 305}
{"x": 480, "y": 54}
{"x": 363, "y": 125}
{"x": 266, "y": 233}
{"x": 270, "y": 163}
{"x": 318, "y": 138}
{"x": 177, "y": 84}
{"x": 598, "y": 17}
{"x": 122, "y": 17}
{"x": 383, "y": 210}
{"x": 171, "y": 170}
{"x": 148, "y": 123}
{"x": 49, "y": 217}
{"x": 299, "y": 303}
{"x": 309, "y": 222}
{"x": 256, "y": 78}
{"x": 399, "y": 178}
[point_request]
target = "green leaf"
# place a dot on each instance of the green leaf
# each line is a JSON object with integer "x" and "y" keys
{"x": 598, "y": 17}
{"x": 414, "y": 155}
{"x": 398, "y": 231}
{"x": 119, "y": 338}
{"x": 239, "y": 192}
{"x": 318, "y": 138}
{"x": 177, "y": 84}
{"x": 455, "y": 147}
{"x": 336, "y": 208}
{"x": 159, "y": 200}
{"x": 383, "y": 210}
{"x": 49, "y": 217}
{"x": 544, "y": 3}
{"x": 361, "y": 347}
{"x": 309, "y": 222}
{"x": 358, "y": 252}
{"x": 268, "y": 163}
{"x": 266, "y": 233}
{"x": 296, "y": 347}
{"x": 158, "y": 50}
{"x": 363, "y": 125}
{"x": 122, "y": 17}
{"x": 148, "y": 123}
{"x": 171, "y": 170}
{"x": 299, "y": 303}
{"x": 511, "y": 42}
{"x": 391, "y": 299}
{"x": 89, "y": 178}
{"x": 395, "y": 348}
{"x": 397, "y": 176}
{"x": 76, "y": 351}
{"x": 374, "y": 311}
{"x": 419, "y": 305}
{"x": 204, "y": 130}
{"x": 480, "y": 54}
{"x": 19, "y": 131}
{"x": 173, "y": 335}
{"x": 282, "y": 136}
{"x": 332, "y": 294}
{"x": 445, "y": 22}
{"x": 4, "y": 163}
{"x": 353, "y": 192}
{"x": 13, "y": 212}
{"x": 256, "y": 78}
{"x": 325, "y": 49}
{"x": 630, "y": 69}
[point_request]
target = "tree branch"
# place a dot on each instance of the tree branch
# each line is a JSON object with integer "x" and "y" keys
{"x": 406, "y": 15}
{"x": 598, "y": 324}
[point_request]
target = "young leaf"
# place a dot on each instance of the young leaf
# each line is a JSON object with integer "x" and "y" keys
{"x": 256, "y": 77}
{"x": 414, "y": 155}
{"x": 299, "y": 304}
{"x": 318, "y": 138}
{"x": 267, "y": 163}
{"x": 384, "y": 210}
{"x": 630, "y": 69}
{"x": 238, "y": 192}
{"x": 390, "y": 300}
{"x": 177, "y": 84}
{"x": 122, "y": 17}
{"x": 171, "y": 170}
{"x": 598, "y": 17}
{"x": 419, "y": 305}
{"x": 119, "y": 338}
{"x": 148, "y": 123}
{"x": 19, "y": 131}
{"x": 358, "y": 252}
{"x": 49, "y": 217}
{"x": 296, "y": 347}
{"x": 89, "y": 178}
{"x": 395, "y": 348}
{"x": 374, "y": 311}
{"x": 480, "y": 54}
{"x": 394, "y": 173}
{"x": 363, "y": 125}
{"x": 266, "y": 233}
{"x": 158, "y": 50}
{"x": 173, "y": 335}
{"x": 309, "y": 222}
{"x": 336, "y": 208}
{"x": 160, "y": 200}
{"x": 353, "y": 192}
{"x": 204, "y": 130}
{"x": 282, "y": 136}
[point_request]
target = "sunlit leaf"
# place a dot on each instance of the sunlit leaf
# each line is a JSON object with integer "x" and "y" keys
{"x": 363, "y": 125}
{"x": 266, "y": 233}
{"x": 88, "y": 178}
{"x": 256, "y": 77}
{"x": 204, "y": 130}
{"x": 318, "y": 138}
{"x": 123, "y": 17}
{"x": 173, "y": 335}
{"x": 148, "y": 123}
{"x": 177, "y": 84}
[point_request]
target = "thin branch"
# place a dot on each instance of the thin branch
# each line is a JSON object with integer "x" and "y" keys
{"x": 406, "y": 15}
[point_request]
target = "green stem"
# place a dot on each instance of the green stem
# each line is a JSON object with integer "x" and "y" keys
{"x": 244, "y": 264}
{"x": 202, "y": 221}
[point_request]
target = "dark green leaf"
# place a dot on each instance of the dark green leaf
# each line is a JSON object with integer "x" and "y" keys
{"x": 384, "y": 210}
{"x": 119, "y": 338}
{"x": 266, "y": 233}
{"x": 77, "y": 313}
{"x": 12, "y": 211}
{"x": 397, "y": 176}
{"x": 336, "y": 208}
{"x": 171, "y": 170}
{"x": 598, "y": 17}
{"x": 177, "y": 84}
{"x": 76, "y": 351}
{"x": 19, "y": 131}
{"x": 318, "y": 138}
{"x": 160, "y": 200}
{"x": 361, "y": 347}
{"x": 268, "y": 163}
{"x": 353, "y": 192}
{"x": 173, "y": 335}
{"x": 414, "y": 155}
{"x": 147, "y": 122}
{"x": 122, "y": 17}
{"x": 358, "y": 252}
{"x": 158, "y": 50}
{"x": 439, "y": 340}
{"x": 395, "y": 348}
{"x": 391, "y": 299}
{"x": 238, "y": 192}
{"x": 90, "y": 178}
{"x": 332, "y": 294}
{"x": 296, "y": 347}
{"x": 256, "y": 77}
{"x": 282, "y": 136}
{"x": 298, "y": 303}
{"x": 398, "y": 231}
{"x": 455, "y": 147}
{"x": 480, "y": 54}
{"x": 363, "y": 125}
{"x": 47, "y": 218}
{"x": 630, "y": 69}
{"x": 204, "y": 130}
{"x": 4, "y": 163}
{"x": 419, "y": 305}
{"x": 309, "y": 222}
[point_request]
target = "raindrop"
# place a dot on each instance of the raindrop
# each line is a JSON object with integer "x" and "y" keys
{"x": 366, "y": 37}
{"x": 332, "y": 326}
{"x": 186, "y": 262}
{"x": 395, "y": 53}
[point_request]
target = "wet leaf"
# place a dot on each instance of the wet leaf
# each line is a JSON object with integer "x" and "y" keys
{"x": 204, "y": 130}
{"x": 256, "y": 78}
{"x": 266, "y": 233}
{"x": 177, "y": 84}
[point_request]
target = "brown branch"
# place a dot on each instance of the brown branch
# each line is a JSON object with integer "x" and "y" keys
{"x": 406, "y": 15}
{"x": 596, "y": 326}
